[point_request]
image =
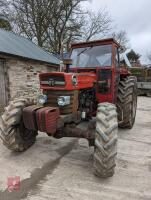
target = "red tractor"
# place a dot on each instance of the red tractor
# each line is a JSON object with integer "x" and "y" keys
{"x": 94, "y": 89}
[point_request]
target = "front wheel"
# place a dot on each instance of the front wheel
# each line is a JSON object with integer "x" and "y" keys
{"x": 105, "y": 150}
{"x": 13, "y": 133}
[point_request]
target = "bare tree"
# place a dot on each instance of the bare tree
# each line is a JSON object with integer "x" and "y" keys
{"x": 32, "y": 18}
{"x": 122, "y": 39}
{"x": 65, "y": 25}
{"x": 97, "y": 25}
{"x": 55, "y": 24}
{"x": 49, "y": 23}
{"x": 3, "y": 6}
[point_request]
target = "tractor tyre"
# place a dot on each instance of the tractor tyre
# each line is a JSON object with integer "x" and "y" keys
{"x": 127, "y": 102}
{"x": 105, "y": 149}
{"x": 13, "y": 133}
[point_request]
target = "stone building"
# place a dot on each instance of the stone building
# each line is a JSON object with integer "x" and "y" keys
{"x": 20, "y": 63}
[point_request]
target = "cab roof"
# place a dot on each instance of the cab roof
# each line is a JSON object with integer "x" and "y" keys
{"x": 95, "y": 43}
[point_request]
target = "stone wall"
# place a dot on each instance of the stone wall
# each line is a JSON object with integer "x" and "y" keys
{"x": 23, "y": 76}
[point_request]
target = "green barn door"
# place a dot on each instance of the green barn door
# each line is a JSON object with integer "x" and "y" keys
{"x": 3, "y": 91}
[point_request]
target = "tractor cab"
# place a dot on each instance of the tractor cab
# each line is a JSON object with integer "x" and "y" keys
{"x": 102, "y": 58}
{"x": 95, "y": 55}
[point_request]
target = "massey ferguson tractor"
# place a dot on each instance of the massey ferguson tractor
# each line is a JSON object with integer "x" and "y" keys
{"x": 91, "y": 90}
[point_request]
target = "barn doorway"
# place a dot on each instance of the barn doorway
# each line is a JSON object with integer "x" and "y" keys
{"x": 3, "y": 86}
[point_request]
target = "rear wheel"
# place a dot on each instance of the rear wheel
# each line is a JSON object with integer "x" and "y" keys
{"x": 105, "y": 140}
{"x": 12, "y": 131}
{"x": 127, "y": 102}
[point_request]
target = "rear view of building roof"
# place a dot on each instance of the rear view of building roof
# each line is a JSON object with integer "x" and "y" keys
{"x": 12, "y": 44}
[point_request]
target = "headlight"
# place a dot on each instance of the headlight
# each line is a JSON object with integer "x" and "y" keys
{"x": 63, "y": 100}
{"x": 42, "y": 99}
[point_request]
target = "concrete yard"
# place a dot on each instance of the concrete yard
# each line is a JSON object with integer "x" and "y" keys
{"x": 62, "y": 169}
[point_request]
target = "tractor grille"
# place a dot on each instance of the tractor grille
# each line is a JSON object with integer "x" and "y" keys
{"x": 52, "y": 81}
{"x": 52, "y": 100}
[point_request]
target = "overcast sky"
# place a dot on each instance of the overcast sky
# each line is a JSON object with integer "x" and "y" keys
{"x": 134, "y": 16}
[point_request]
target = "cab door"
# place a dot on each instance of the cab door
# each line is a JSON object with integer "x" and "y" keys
{"x": 117, "y": 73}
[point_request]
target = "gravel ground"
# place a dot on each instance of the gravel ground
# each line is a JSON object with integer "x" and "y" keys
{"x": 62, "y": 169}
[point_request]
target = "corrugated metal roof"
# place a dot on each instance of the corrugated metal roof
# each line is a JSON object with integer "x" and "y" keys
{"x": 13, "y": 44}
{"x": 65, "y": 55}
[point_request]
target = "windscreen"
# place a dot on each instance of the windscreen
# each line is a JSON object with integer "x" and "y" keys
{"x": 96, "y": 56}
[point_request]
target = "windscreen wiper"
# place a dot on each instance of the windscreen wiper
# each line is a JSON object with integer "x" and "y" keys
{"x": 84, "y": 50}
